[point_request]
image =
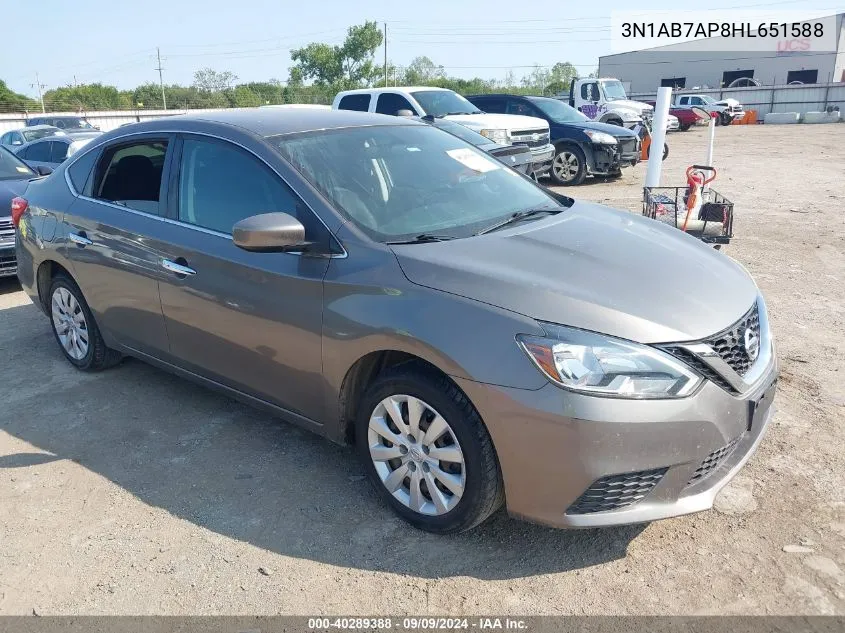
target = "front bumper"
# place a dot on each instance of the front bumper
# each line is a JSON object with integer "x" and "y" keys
{"x": 555, "y": 446}
{"x": 541, "y": 160}
{"x": 8, "y": 259}
{"x": 604, "y": 160}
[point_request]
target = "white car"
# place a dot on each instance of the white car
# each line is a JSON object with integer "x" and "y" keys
{"x": 672, "y": 123}
{"x": 422, "y": 101}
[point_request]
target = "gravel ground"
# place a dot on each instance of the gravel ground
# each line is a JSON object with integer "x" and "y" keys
{"x": 134, "y": 492}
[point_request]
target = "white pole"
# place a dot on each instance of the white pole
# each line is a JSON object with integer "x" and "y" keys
{"x": 658, "y": 137}
{"x": 712, "y": 126}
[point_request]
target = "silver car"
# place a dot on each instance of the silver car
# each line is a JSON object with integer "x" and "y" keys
{"x": 51, "y": 151}
{"x": 15, "y": 138}
{"x": 481, "y": 340}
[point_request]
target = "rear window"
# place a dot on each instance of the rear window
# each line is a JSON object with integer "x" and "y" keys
{"x": 361, "y": 103}
{"x": 130, "y": 175}
{"x": 38, "y": 152}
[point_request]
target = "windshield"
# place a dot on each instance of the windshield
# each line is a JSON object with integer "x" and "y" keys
{"x": 614, "y": 90}
{"x": 558, "y": 111}
{"x": 463, "y": 132}
{"x": 396, "y": 182}
{"x": 74, "y": 123}
{"x": 31, "y": 135}
{"x": 12, "y": 167}
{"x": 708, "y": 99}
{"x": 443, "y": 102}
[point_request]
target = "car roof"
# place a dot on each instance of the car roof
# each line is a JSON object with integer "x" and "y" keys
{"x": 274, "y": 121}
{"x": 40, "y": 126}
{"x": 400, "y": 89}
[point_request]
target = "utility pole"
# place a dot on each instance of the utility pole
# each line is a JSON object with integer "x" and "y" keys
{"x": 385, "y": 54}
{"x": 39, "y": 85}
{"x": 160, "y": 79}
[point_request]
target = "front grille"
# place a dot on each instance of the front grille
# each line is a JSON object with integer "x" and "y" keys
{"x": 616, "y": 491}
{"x": 8, "y": 265}
{"x": 627, "y": 145}
{"x": 526, "y": 137}
{"x": 701, "y": 367}
{"x": 730, "y": 344}
{"x": 713, "y": 461}
{"x": 6, "y": 227}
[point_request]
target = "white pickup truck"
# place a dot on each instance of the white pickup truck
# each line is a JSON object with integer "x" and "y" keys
{"x": 728, "y": 109}
{"x": 504, "y": 129}
{"x": 604, "y": 100}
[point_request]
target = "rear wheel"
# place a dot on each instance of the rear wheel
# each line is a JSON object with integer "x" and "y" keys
{"x": 75, "y": 329}
{"x": 725, "y": 118}
{"x": 427, "y": 451}
{"x": 685, "y": 126}
{"x": 569, "y": 166}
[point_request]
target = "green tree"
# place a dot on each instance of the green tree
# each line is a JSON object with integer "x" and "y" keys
{"x": 422, "y": 71}
{"x": 11, "y": 101}
{"x": 348, "y": 65}
{"x": 86, "y": 97}
{"x": 209, "y": 80}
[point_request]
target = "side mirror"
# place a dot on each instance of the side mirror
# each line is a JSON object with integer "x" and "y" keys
{"x": 269, "y": 232}
{"x": 701, "y": 113}
{"x": 43, "y": 170}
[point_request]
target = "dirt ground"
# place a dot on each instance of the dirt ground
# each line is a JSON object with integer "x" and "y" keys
{"x": 134, "y": 492}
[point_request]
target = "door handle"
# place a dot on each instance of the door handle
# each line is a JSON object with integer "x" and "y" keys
{"x": 176, "y": 267}
{"x": 80, "y": 239}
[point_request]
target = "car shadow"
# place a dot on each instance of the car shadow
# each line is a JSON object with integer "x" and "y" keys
{"x": 8, "y": 285}
{"x": 246, "y": 475}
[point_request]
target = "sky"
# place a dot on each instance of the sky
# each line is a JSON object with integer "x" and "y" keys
{"x": 114, "y": 42}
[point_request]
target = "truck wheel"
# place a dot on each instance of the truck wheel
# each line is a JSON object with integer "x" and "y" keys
{"x": 665, "y": 152}
{"x": 725, "y": 118}
{"x": 685, "y": 126}
{"x": 615, "y": 121}
{"x": 569, "y": 166}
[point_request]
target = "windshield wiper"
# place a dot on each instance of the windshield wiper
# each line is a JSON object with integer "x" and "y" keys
{"x": 423, "y": 238}
{"x": 518, "y": 216}
{"x": 440, "y": 116}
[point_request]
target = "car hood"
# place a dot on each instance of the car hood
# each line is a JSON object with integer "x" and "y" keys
{"x": 637, "y": 106}
{"x": 8, "y": 190}
{"x": 499, "y": 121}
{"x": 614, "y": 130}
{"x": 728, "y": 102}
{"x": 594, "y": 268}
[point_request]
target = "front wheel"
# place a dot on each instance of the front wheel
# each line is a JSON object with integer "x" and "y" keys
{"x": 569, "y": 166}
{"x": 427, "y": 451}
{"x": 725, "y": 118}
{"x": 685, "y": 126}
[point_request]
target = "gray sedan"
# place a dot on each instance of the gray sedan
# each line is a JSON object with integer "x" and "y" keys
{"x": 480, "y": 340}
{"x": 51, "y": 151}
{"x": 16, "y": 138}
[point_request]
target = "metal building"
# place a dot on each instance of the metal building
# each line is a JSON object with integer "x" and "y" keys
{"x": 689, "y": 65}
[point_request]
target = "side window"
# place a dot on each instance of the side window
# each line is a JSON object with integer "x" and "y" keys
{"x": 589, "y": 91}
{"x": 695, "y": 101}
{"x": 494, "y": 106}
{"x": 391, "y": 103}
{"x": 520, "y": 107}
{"x": 6, "y": 139}
{"x": 59, "y": 152}
{"x": 220, "y": 184}
{"x": 17, "y": 138}
{"x": 39, "y": 152}
{"x": 81, "y": 169}
{"x": 130, "y": 175}
{"x": 360, "y": 102}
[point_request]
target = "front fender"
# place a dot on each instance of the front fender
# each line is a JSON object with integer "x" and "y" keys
{"x": 369, "y": 306}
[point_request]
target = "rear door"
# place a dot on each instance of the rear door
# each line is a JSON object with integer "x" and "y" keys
{"x": 251, "y": 321}
{"x": 114, "y": 232}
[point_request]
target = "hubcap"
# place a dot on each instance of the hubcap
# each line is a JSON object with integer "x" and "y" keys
{"x": 416, "y": 455}
{"x": 69, "y": 321}
{"x": 566, "y": 166}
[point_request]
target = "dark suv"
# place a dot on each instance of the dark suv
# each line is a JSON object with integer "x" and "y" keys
{"x": 582, "y": 146}
{"x": 68, "y": 124}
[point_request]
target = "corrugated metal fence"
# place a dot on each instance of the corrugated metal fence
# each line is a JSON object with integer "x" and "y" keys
{"x": 798, "y": 98}
{"x": 106, "y": 120}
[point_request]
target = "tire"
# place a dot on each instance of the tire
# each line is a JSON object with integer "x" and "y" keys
{"x": 569, "y": 166}
{"x": 725, "y": 118}
{"x": 615, "y": 121}
{"x": 685, "y": 126}
{"x": 80, "y": 339}
{"x": 482, "y": 490}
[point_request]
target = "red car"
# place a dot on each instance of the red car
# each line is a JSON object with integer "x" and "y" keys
{"x": 686, "y": 117}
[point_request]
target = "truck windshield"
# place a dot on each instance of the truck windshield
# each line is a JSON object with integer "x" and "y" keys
{"x": 440, "y": 103}
{"x": 400, "y": 182}
{"x": 614, "y": 90}
{"x": 557, "y": 110}
{"x": 708, "y": 99}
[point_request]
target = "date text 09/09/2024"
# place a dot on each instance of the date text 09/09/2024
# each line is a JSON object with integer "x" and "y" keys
{"x": 721, "y": 29}
{"x": 416, "y": 624}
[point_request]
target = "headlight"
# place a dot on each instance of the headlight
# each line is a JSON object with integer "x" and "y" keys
{"x": 497, "y": 136}
{"x": 604, "y": 366}
{"x": 600, "y": 137}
